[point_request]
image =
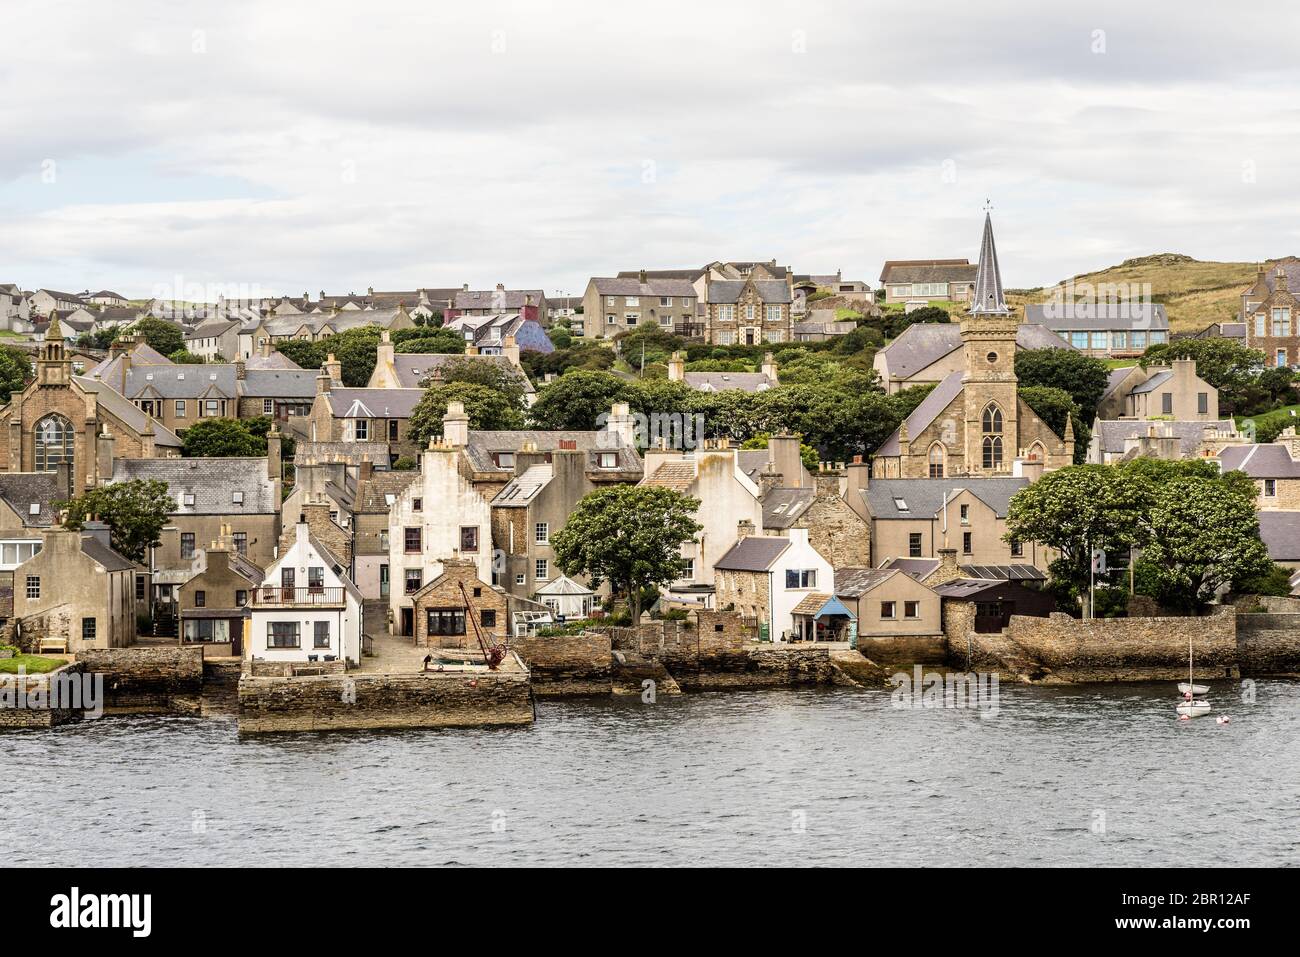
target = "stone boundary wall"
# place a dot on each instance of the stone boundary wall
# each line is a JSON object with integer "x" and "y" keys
{"x": 292, "y": 669}
{"x": 906, "y": 649}
{"x": 1062, "y": 648}
{"x": 1269, "y": 643}
{"x": 568, "y": 665}
{"x": 167, "y": 678}
{"x": 15, "y": 717}
{"x": 752, "y": 666}
{"x": 364, "y": 701}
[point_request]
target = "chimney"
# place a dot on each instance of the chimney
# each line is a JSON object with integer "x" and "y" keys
{"x": 63, "y": 473}
{"x": 464, "y": 287}
{"x": 744, "y": 527}
{"x": 274, "y": 452}
{"x": 384, "y": 358}
{"x": 501, "y": 287}
{"x": 370, "y": 290}
{"x": 569, "y": 464}
{"x": 769, "y": 367}
{"x": 641, "y": 277}
{"x": 147, "y": 448}
{"x": 323, "y": 382}
{"x": 455, "y": 425}
{"x": 334, "y": 368}
{"x": 622, "y": 423}
{"x": 241, "y": 371}
{"x": 948, "y": 568}
{"x": 528, "y": 455}
{"x": 266, "y": 348}
{"x": 104, "y": 451}
{"x": 510, "y": 349}
{"x": 99, "y": 531}
{"x": 783, "y": 453}
{"x": 1030, "y": 468}
{"x": 365, "y": 470}
{"x": 677, "y": 368}
{"x": 1281, "y": 282}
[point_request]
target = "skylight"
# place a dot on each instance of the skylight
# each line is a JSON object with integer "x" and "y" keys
{"x": 900, "y": 504}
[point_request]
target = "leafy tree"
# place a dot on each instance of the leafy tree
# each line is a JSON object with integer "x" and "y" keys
{"x": 164, "y": 336}
{"x": 628, "y": 535}
{"x": 1055, "y": 407}
{"x": 433, "y": 341}
{"x": 185, "y": 357}
{"x": 222, "y": 438}
{"x": 404, "y": 464}
{"x": 99, "y": 340}
{"x": 491, "y": 375}
{"x": 355, "y": 349}
{"x": 487, "y": 409}
{"x": 576, "y": 400}
{"x": 134, "y": 511}
{"x": 15, "y": 370}
{"x": 1083, "y": 377}
{"x": 1276, "y": 581}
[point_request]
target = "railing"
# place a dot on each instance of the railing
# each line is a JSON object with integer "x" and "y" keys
{"x": 689, "y": 330}
{"x": 271, "y": 595}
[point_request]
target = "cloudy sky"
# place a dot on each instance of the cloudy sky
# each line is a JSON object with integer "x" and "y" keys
{"x": 290, "y": 147}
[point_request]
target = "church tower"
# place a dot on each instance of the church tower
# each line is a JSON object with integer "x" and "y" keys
{"x": 53, "y": 366}
{"x": 988, "y": 336}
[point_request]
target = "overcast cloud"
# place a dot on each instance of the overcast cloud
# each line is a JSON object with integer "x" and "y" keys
{"x": 295, "y": 147}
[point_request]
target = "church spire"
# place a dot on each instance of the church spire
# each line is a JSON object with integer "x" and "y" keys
{"x": 987, "y": 299}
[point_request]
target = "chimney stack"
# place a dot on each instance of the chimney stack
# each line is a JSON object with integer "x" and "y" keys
{"x": 783, "y": 453}
{"x": 455, "y": 425}
{"x": 677, "y": 368}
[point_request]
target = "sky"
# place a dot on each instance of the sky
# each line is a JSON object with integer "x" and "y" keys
{"x": 254, "y": 147}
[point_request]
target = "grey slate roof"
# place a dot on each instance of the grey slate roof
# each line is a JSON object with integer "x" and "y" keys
{"x": 482, "y": 445}
{"x": 925, "y": 413}
{"x": 924, "y": 497}
{"x": 753, "y": 553}
{"x": 105, "y": 555}
{"x": 918, "y": 568}
{"x": 924, "y": 343}
{"x": 1115, "y": 379}
{"x": 688, "y": 274}
{"x": 497, "y": 299}
{"x": 856, "y": 582}
{"x": 927, "y": 270}
{"x": 115, "y": 403}
{"x": 729, "y": 290}
{"x": 278, "y": 383}
{"x": 1260, "y": 461}
{"x": 783, "y": 506}
{"x": 521, "y": 489}
{"x": 373, "y": 403}
{"x": 179, "y": 381}
{"x": 1100, "y": 316}
{"x": 1280, "y": 532}
{"x": 412, "y": 368}
{"x": 22, "y": 490}
{"x": 630, "y": 285}
{"x": 1155, "y": 382}
{"x": 276, "y": 360}
{"x": 212, "y": 482}
{"x": 1111, "y": 433}
{"x": 724, "y": 381}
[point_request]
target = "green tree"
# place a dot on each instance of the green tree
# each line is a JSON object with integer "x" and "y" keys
{"x": 491, "y": 375}
{"x": 355, "y": 349}
{"x": 164, "y": 336}
{"x": 134, "y": 511}
{"x": 1082, "y": 377}
{"x": 222, "y": 438}
{"x": 1245, "y": 386}
{"x": 575, "y": 400}
{"x": 15, "y": 370}
{"x": 1056, "y": 407}
{"x": 433, "y": 341}
{"x": 487, "y": 409}
{"x": 1276, "y": 581}
{"x": 185, "y": 357}
{"x": 628, "y": 535}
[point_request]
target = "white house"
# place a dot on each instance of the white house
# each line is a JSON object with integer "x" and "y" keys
{"x": 767, "y": 576}
{"x": 440, "y": 515}
{"x": 306, "y": 607}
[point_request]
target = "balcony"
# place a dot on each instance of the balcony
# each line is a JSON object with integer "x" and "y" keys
{"x": 268, "y": 596}
{"x": 689, "y": 330}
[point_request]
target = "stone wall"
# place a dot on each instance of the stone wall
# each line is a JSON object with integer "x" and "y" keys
{"x": 12, "y": 716}
{"x": 358, "y": 701}
{"x": 906, "y": 649}
{"x": 568, "y": 665}
{"x": 1269, "y": 643}
{"x": 167, "y": 678}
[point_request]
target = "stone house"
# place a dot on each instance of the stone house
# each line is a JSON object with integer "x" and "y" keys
{"x": 818, "y": 503}
{"x": 1104, "y": 329}
{"x": 213, "y": 602}
{"x": 614, "y": 305}
{"x": 362, "y": 415}
{"x": 47, "y": 302}
{"x": 262, "y": 331}
{"x": 530, "y": 303}
{"x": 889, "y": 603}
{"x": 766, "y": 577}
{"x": 306, "y": 608}
{"x": 1159, "y": 392}
{"x": 65, "y": 419}
{"x": 909, "y": 280}
{"x": 76, "y": 591}
{"x": 377, "y": 492}
{"x": 748, "y": 312}
{"x": 926, "y": 353}
{"x": 15, "y": 308}
{"x": 1275, "y": 473}
{"x": 1272, "y": 314}
{"x": 1120, "y": 440}
{"x": 457, "y": 609}
{"x": 26, "y": 508}
{"x": 282, "y": 394}
{"x": 761, "y": 381}
{"x": 411, "y": 370}
{"x": 439, "y": 516}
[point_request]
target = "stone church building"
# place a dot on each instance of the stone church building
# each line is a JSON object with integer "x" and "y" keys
{"x": 974, "y": 422}
{"x": 66, "y": 420}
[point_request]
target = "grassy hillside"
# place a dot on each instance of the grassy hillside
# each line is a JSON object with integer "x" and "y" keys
{"x": 1195, "y": 293}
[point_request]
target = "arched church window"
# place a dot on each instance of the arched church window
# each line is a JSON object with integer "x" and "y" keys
{"x": 992, "y": 452}
{"x": 936, "y": 460}
{"x": 992, "y": 441}
{"x": 992, "y": 419}
{"x": 54, "y": 443}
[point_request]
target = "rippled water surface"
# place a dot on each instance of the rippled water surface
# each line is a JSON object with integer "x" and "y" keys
{"x": 1062, "y": 776}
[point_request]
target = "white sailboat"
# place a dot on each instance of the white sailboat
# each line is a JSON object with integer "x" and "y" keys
{"x": 1193, "y": 704}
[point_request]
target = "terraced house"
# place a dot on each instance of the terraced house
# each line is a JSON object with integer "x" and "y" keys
{"x": 909, "y": 280}
{"x": 614, "y": 305}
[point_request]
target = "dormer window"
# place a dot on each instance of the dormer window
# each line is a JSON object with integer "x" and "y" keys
{"x": 607, "y": 460}
{"x": 187, "y": 498}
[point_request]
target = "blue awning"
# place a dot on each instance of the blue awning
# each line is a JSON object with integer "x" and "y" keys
{"x": 834, "y": 607}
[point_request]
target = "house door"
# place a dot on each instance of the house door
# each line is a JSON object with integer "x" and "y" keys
{"x": 408, "y": 621}
{"x": 993, "y": 616}
{"x": 236, "y": 626}
{"x": 749, "y": 337}
{"x": 383, "y": 581}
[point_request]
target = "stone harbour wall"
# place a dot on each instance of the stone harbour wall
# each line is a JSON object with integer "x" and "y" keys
{"x": 364, "y": 701}
{"x": 142, "y": 678}
{"x": 568, "y": 665}
{"x": 28, "y": 716}
{"x": 1269, "y": 643}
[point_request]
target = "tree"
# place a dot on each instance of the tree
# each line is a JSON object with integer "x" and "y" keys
{"x": 1200, "y": 535}
{"x": 628, "y": 535}
{"x": 355, "y": 349}
{"x": 166, "y": 337}
{"x": 1082, "y": 377}
{"x": 1055, "y": 407}
{"x": 575, "y": 400}
{"x": 223, "y": 438}
{"x": 491, "y": 375}
{"x": 134, "y": 511}
{"x": 1276, "y": 581}
{"x": 433, "y": 341}
{"x": 185, "y": 357}
{"x": 1245, "y": 387}
{"x": 15, "y": 369}
{"x": 487, "y": 409}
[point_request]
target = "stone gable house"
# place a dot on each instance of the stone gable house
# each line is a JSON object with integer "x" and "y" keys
{"x": 614, "y": 305}
{"x": 1159, "y": 392}
{"x": 748, "y": 312}
{"x": 213, "y": 602}
{"x": 1272, "y": 313}
{"x": 457, "y": 609}
{"x": 766, "y": 578}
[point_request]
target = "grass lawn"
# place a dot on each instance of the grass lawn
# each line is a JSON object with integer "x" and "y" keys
{"x": 1278, "y": 418}
{"x": 34, "y": 664}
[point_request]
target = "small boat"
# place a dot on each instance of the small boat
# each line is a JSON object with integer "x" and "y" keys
{"x": 1194, "y": 709}
{"x": 1184, "y": 687}
{"x": 1192, "y": 706}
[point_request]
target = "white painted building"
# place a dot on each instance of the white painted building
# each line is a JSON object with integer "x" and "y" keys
{"x": 307, "y": 607}
{"x": 788, "y": 568}
{"x": 440, "y": 515}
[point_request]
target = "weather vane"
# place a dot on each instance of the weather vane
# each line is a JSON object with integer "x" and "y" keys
{"x": 988, "y": 205}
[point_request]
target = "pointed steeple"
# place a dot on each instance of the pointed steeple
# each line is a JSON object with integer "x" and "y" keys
{"x": 987, "y": 298}
{"x": 55, "y": 331}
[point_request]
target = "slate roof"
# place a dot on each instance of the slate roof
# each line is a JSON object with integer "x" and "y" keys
{"x": 278, "y": 383}
{"x": 1260, "y": 461}
{"x": 1153, "y": 383}
{"x": 1280, "y": 532}
{"x": 924, "y": 497}
{"x": 106, "y": 556}
{"x": 1098, "y": 316}
{"x": 928, "y": 270}
{"x": 629, "y": 284}
{"x": 688, "y": 274}
{"x": 372, "y": 493}
{"x": 374, "y": 403}
{"x": 1111, "y": 433}
{"x": 22, "y": 490}
{"x": 918, "y": 568}
{"x": 1115, "y": 379}
{"x": 178, "y": 381}
{"x": 121, "y": 407}
{"x": 752, "y": 462}
{"x": 522, "y": 489}
{"x": 729, "y": 290}
{"x": 211, "y": 329}
{"x": 924, "y": 343}
{"x": 724, "y": 381}
{"x": 412, "y": 368}
{"x": 783, "y": 506}
{"x": 926, "y": 412}
{"x": 276, "y": 360}
{"x": 497, "y": 299}
{"x": 964, "y": 587}
{"x": 676, "y": 475}
{"x": 856, "y": 582}
{"x": 212, "y": 482}
{"x": 483, "y": 444}
{"x": 753, "y": 553}
{"x": 986, "y": 298}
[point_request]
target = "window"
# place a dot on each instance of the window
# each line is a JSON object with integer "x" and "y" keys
{"x": 688, "y": 571}
{"x": 611, "y": 319}
{"x": 487, "y": 618}
{"x": 87, "y": 629}
{"x": 1261, "y": 325}
{"x": 180, "y": 408}
{"x": 1270, "y": 487}
{"x": 187, "y": 544}
{"x": 1079, "y": 340}
{"x": 417, "y": 505}
{"x": 54, "y": 443}
{"x": 187, "y": 498}
{"x": 268, "y": 407}
{"x": 1202, "y": 403}
{"x": 445, "y": 621}
{"x": 965, "y": 514}
{"x": 361, "y": 429}
{"x": 888, "y": 610}
{"x": 665, "y": 300}
{"x": 236, "y": 498}
{"x": 1166, "y": 403}
{"x": 632, "y": 301}
{"x": 1119, "y": 340}
{"x": 1281, "y": 358}
{"x": 469, "y": 538}
{"x": 991, "y": 423}
{"x": 1017, "y": 549}
{"x": 288, "y": 579}
{"x": 801, "y": 578}
{"x": 316, "y": 580}
{"x": 1281, "y": 322}
{"x": 541, "y": 533}
{"x": 241, "y": 597}
{"x": 1158, "y": 336}
{"x": 541, "y": 569}
{"x": 211, "y": 407}
{"x": 200, "y": 599}
{"x": 320, "y": 634}
{"x": 607, "y": 460}
{"x": 911, "y": 609}
{"x": 914, "y": 545}
{"x": 726, "y": 337}
{"x": 206, "y": 629}
{"x": 392, "y": 430}
{"x": 520, "y": 579}
{"x": 726, "y": 313}
{"x": 241, "y": 542}
{"x": 773, "y": 313}
{"x": 33, "y": 587}
{"x": 282, "y": 634}
{"x": 412, "y": 540}
{"x": 1099, "y": 341}
{"x": 413, "y": 580}
{"x": 504, "y": 460}
{"x": 936, "y": 461}
{"x": 966, "y": 543}
{"x": 631, "y": 318}
{"x": 1138, "y": 340}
